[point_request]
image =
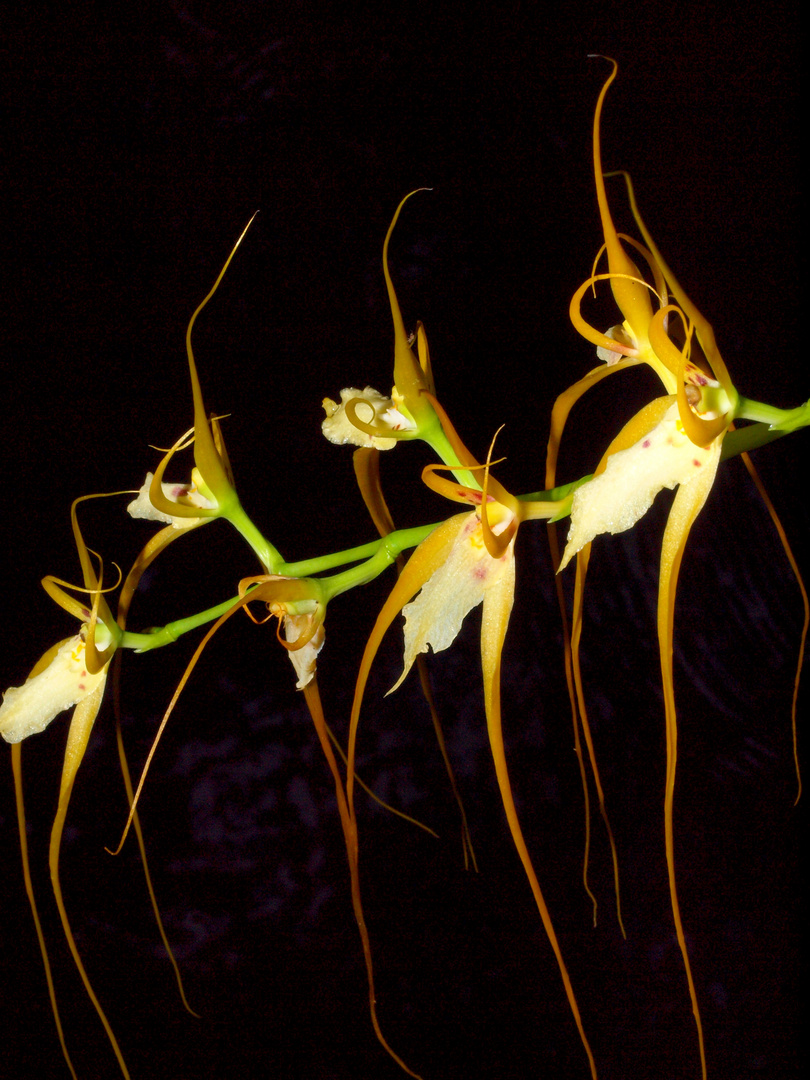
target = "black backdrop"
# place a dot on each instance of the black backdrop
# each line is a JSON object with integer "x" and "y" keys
{"x": 137, "y": 147}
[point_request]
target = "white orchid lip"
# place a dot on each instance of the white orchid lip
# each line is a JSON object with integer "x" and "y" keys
{"x": 434, "y": 618}
{"x": 622, "y": 334}
{"x": 373, "y": 409}
{"x": 304, "y": 659}
{"x": 30, "y": 708}
{"x": 141, "y": 507}
{"x": 616, "y": 499}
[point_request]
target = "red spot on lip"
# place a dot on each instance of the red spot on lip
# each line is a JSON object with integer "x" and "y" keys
{"x": 696, "y": 463}
{"x": 81, "y": 686}
{"x": 646, "y": 443}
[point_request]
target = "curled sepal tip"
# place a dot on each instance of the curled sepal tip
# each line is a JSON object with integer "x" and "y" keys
{"x": 366, "y": 418}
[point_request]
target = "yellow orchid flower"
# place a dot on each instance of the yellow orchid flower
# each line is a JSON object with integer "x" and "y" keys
{"x": 299, "y": 605}
{"x": 706, "y": 402}
{"x": 466, "y": 561}
{"x": 300, "y": 610}
{"x": 73, "y": 670}
{"x": 674, "y": 441}
{"x": 210, "y": 492}
{"x": 367, "y": 418}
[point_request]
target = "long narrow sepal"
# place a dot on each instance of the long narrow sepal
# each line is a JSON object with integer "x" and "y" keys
{"x": 494, "y": 623}
{"x": 215, "y": 470}
{"x": 81, "y": 725}
{"x": 687, "y": 505}
{"x": 349, "y": 825}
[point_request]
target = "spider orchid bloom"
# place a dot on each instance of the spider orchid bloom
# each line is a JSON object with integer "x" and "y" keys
{"x": 367, "y": 418}
{"x": 674, "y": 441}
{"x": 300, "y": 606}
{"x": 466, "y": 561}
{"x": 706, "y": 403}
{"x": 72, "y": 672}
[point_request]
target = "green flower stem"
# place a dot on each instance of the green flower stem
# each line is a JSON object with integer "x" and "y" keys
{"x": 165, "y": 635}
{"x": 751, "y": 437}
{"x": 784, "y": 420}
{"x": 378, "y": 555}
{"x": 267, "y": 555}
{"x": 556, "y": 494}
{"x": 387, "y": 550}
{"x": 308, "y": 567}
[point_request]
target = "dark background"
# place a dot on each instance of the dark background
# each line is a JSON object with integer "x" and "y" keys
{"x": 137, "y": 147}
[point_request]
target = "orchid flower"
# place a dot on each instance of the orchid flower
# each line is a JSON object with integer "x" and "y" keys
{"x": 73, "y": 672}
{"x": 674, "y": 441}
{"x": 707, "y": 404}
{"x": 211, "y": 492}
{"x": 299, "y": 604}
{"x": 369, "y": 419}
{"x": 466, "y": 561}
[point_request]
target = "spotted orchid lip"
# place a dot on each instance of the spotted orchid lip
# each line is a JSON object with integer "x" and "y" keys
{"x": 64, "y": 681}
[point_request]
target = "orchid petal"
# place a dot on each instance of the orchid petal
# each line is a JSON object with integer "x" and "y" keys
{"x": 631, "y": 295}
{"x": 366, "y": 463}
{"x": 704, "y": 329}
{"x": 615, "y": 500}
{"x": 566, "y": 401}
{"x": 345, "y": 423}
{"x": 434, "y": 618}
{"x": 81, "y": 726}
{"x": 64, "y": 681}
{"x": 214, "y": 467}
